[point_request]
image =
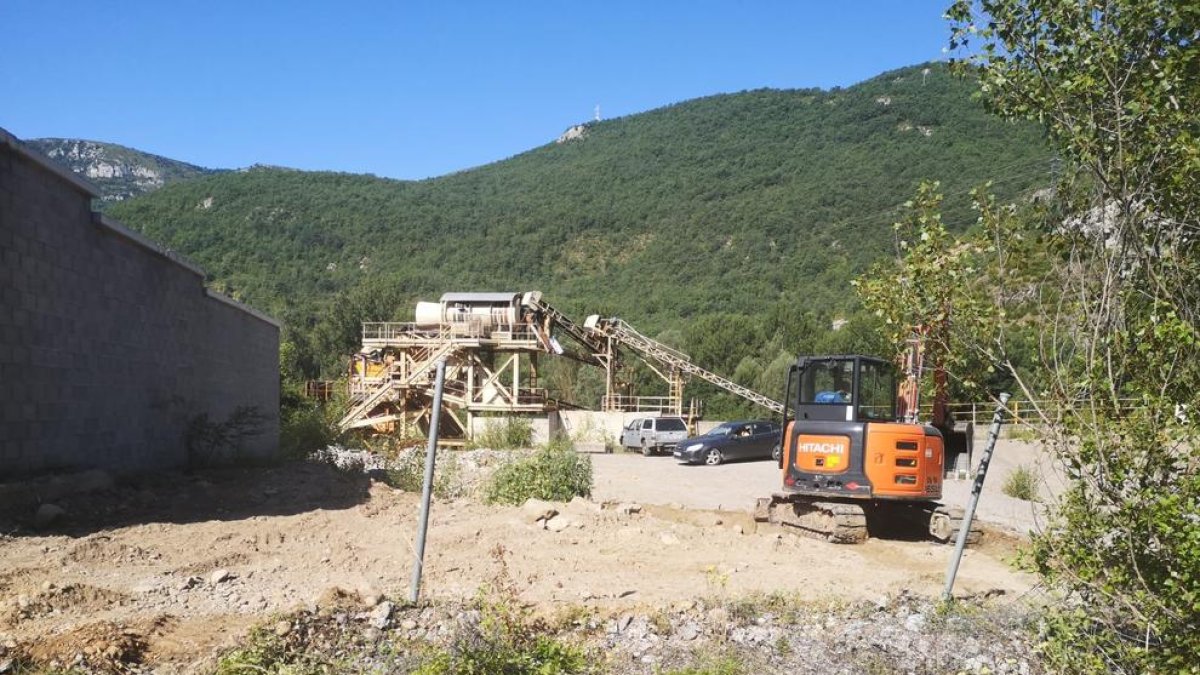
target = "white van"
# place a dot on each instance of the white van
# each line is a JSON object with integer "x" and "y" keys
{"x": 654, "y": 435}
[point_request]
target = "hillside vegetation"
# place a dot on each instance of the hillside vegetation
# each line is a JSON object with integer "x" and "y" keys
{"x": 730, "y": 225}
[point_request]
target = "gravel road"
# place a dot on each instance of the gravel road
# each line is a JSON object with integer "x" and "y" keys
{"x": 735, "y": 486}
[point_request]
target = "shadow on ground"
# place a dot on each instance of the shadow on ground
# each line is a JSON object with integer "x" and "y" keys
{"x": 225, "y": 494}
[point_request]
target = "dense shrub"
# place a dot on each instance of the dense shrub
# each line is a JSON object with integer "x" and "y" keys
{"x": 510, "y": 433}
{"x": 306, "y": 428}
{"x": 555, "y": 473}
{"x": 405, "y": 470}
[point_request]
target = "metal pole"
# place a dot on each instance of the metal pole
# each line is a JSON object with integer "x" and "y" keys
{"x": 427, "y": 491}
{"x": 980, "y": 475}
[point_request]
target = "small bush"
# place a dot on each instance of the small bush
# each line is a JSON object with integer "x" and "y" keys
{"x": 266, "y": 652}
{"x": 406, "y": 471}
{"x": 1021, "y": 484}
{"x": 306, "y": 428}
{"x": 510, "y": 433}
{"x": 554, "y": 473}
{"x": 507, "y": 639}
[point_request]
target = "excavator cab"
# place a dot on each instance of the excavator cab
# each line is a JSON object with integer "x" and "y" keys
{"x": 845, "y": 440}
{"x": 843, "y": 388}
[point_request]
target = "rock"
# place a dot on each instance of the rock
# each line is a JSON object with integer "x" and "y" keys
{"x": 915, "y": 622}
{"x": 6, "y": 665}
{"x": 23, "y": 602}
{"x": 623, "y": 622}
{"x": 668, "y": 539}
{"x": 575, "y": 133}
{"x": 627, "y": 508}
{"x": 408, "y": 624}
{"x": 537, "y": 510}
{"x": 738, "y": 529}
{"x": 188, "y": 583}
{"x": 218, "y": 576}
{"x": 381, "y": 616}
{"x": 370, "y": 597}
{"x": 558, "y": 523}
{"x": 47, "y": 515}
{"x": 688, "y": 632}
{"x": 283, "y": 628}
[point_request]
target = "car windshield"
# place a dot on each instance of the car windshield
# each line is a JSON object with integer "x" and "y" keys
{"x": 723, "y": 430}
{"x": 671, "y": 424}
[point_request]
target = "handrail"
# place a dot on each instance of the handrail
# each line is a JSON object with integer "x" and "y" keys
{"x": 1028, "y": 412}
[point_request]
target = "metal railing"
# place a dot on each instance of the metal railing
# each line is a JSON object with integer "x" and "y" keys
{"x": 623, "y": 403}
{"x": 403, "y": 331}
{"x": 1028, "y": 412}
{"x": 321, "y": 390}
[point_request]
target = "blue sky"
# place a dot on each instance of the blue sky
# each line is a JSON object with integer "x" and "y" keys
{"x": 413, "y": 89}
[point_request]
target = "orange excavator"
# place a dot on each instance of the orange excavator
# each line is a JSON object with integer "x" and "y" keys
{"x": 855, "y": 460}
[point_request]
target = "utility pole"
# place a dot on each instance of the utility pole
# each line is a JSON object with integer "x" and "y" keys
{"x": 435, "y": 417}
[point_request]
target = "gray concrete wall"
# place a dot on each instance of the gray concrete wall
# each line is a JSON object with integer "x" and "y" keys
{"x": 110, "y": 347}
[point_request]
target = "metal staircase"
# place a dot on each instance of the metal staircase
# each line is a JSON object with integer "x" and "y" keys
{"x": 624, "y": 334}
{"x": 357, "y": 416}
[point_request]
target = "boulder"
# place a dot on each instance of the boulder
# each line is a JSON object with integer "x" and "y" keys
{"x": 381, "y": 616}
{"x": 558, "y": 523}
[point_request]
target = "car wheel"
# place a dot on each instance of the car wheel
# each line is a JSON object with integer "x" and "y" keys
{"x": 775, "y": 452}
{"x": 713, "y": 457}
{"x": 646, "y": 450}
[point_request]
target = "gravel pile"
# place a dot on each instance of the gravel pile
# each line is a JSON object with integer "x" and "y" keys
{"x": 761, "y": 635}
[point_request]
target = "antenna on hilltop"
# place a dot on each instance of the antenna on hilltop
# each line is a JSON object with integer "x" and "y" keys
{"x": 924, "y": 74}
{"x": 597, "y": 112}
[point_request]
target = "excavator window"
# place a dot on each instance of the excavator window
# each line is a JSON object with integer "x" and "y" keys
{"x": 877, "y": 392}
{"x": 827, "y": 382}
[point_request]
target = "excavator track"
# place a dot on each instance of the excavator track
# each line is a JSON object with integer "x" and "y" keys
{"x": 847, "y": 523}
{"x": 837, "y": 522}
{"x": 945, "y": 522}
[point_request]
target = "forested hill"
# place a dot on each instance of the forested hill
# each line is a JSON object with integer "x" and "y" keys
{"x": 733, "y": 205}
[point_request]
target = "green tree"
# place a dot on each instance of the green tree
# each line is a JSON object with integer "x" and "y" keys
{"x": 930, "y": 291}
{"x": 1115, "y": 83}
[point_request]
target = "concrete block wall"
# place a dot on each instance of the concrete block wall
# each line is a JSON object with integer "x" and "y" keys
{"x": 109, "y": 345}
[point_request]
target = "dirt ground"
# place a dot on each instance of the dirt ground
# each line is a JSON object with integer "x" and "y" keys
{"x": 178, "y": 567}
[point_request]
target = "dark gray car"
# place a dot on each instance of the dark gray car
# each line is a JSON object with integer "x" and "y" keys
{"x": 747, "y": 439}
